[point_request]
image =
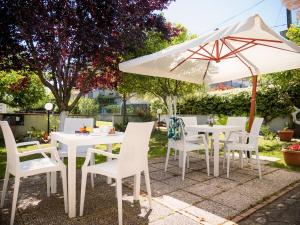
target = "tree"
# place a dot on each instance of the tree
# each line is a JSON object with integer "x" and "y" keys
{"x": 76, "y": 43}
{"x": 21, "y": 89}
{"x": 167, "y": 90}
{"x": 287, "y": 81}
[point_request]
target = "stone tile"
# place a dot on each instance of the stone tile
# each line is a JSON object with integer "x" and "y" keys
{"x": 158, "y": 211}
{"x": 185, "y": 197}
{"x": 175, "y": 219}
{"x": 161, "y": 175}
{"x": 204, "y": 216}
{"x": 285, "y": 177}
{"x": 156, "y": 160}
{"x": 198, "y": 176}
{"x": 179, "y": 183}
{"x": 217, "y": 209}
{"x": 178, "y": 171}
{"x": 234, "y": 200}
{"x": 204, "y": 190}
{"x": 158, "y": 188}
{"x": 239, "y": 177}
{"x": 199, "y": 165}
{"x": 162, "y": 165}
{"x": 259, "y": 188}
{"x": 152, "y": 169}
{"x": 172, "y": 202}
{"x": 221, "y": 183}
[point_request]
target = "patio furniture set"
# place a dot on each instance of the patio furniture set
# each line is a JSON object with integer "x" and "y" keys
{"x": 132, "y": 159}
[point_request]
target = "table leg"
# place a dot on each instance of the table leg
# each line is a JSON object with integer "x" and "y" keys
{"x": 216, "y": 153}
{"x": 180, "y": 158}
{"x": 72, "y": 180}
{"x": 53, "y": 174}
{"x": 109, "y": 149}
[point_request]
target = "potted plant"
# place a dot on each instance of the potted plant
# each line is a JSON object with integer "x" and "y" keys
{"x": 286, "y": 134}
{"x": 291, "y": 154}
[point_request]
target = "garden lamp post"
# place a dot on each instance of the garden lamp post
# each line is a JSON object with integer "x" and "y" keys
{"x": 159, "y": 111}
{"x": 48, "y": 107}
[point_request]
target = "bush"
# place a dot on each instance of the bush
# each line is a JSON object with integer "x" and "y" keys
{"x": 270, "y": 103}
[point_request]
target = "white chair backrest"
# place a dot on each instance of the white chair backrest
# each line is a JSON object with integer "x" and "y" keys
{"x": 73, "y": 124}
{"x": 190, "y": 121}
{"x": 237, "y": 121}
{"x": 134, "y": 149}
{"x": 10, "y": 145}
{"x": 254, "y": 132}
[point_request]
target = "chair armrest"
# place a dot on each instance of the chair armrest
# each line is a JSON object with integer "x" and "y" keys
{"x": 101, "y": 152}
{"x": 242, "y": 134}
{"x": 29, "y": 143}
{"x": 97, "y": 151}
{"x": 42, "y": 151}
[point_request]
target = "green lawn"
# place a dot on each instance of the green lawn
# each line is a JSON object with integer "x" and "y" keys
{"x": 158, "y": 146}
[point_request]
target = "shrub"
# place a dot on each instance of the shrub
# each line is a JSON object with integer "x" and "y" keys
{"x": 270, "y": 103}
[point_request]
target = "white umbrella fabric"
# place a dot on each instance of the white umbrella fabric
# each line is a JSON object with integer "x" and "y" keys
{"x": 248, "y": 48}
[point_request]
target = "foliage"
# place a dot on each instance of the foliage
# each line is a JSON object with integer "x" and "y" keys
{"x": 160, "y": 88}
{"x": 113, "y": 108}
{"x": 21, "y": 89}
{"x": 104, "y": 100}
{"x": 239, "y": 104}
{"x": 76, "y": 44}
{"x": 88, "y": 106}
{"x": 267, "y": 133}
{"x": 293, "y": 34}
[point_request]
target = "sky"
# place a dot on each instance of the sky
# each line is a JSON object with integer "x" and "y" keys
{"x": 202, "y": 16}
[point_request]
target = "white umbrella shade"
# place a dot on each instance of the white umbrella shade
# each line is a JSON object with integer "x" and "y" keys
{"x": 222, "y": 55}
{"x": 248, "y": 48}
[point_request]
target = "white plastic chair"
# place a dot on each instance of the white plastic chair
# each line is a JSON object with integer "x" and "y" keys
{"x": 29, "y": 167}
{"x": 131, "y": 161}
{"x": 70, "y": 126}
{"x": 251, "y": 146}
{"x": 232, "y": 121}
{"x": 186, "y": 145}
{"x": 191, "y": 136}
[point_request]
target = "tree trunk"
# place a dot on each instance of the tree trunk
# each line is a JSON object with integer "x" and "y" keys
{"x": 62, "y": 116}
{"x": 124, "y": 111}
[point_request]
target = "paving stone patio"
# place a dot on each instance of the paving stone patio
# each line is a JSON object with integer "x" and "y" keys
{"x": 198, "y": 199}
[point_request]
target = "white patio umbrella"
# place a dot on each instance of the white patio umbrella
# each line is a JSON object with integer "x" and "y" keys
{"x": 248, "y": 48}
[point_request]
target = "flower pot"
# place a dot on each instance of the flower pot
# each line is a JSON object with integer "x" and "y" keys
{"x": 285, "y": 135}
{"x": 291, "y": 158}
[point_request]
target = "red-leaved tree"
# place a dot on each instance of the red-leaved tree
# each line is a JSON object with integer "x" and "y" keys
{"x": 76, "y": 44}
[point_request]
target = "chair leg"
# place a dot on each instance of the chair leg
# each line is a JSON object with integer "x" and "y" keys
{"x": 5, "y": 184}
{"x": 258, "y": 165}
{"x": 64, "y": 185}
{"x": 207, "y": 160}
{"x": 82, "y": 193}
{"x": 137, "y": 186}
{"x": 48, "y": 184}
{"x": 211, "y": 147}
{"x": 15, "y": 197}
{"x": 228, "y": 162}
{"x": 92, "y": 162}
{"x": 167, "y": 158}
{"x": 183, "y": 164}
{"x": 147, "y": 180}
{"x": 119, "y": 198}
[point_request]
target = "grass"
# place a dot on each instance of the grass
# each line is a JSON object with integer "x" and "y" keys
{"x": 158, "y": 146}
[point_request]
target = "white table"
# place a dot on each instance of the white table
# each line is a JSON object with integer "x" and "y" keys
{"x": 73, "y": 141}
{"x": 215, "y": 130}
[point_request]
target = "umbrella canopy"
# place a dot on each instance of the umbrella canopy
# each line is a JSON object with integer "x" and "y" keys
{"x": 245, "y": 49}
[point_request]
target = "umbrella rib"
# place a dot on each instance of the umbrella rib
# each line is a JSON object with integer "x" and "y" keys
{"x": 250, "y": 39}
{"x": 239, "y": 49}
{"x": 207, "y": 57}
{"x": 239, "y": 58}
{"x": 188, "y": 57}
{"x": 204, "y": 76}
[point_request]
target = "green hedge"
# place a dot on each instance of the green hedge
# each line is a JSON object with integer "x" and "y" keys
{"x": 270, "y": 103}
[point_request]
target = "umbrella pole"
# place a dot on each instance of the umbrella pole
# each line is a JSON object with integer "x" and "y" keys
{"x": 252, "y": 107}
{"x": 253, "y": 102}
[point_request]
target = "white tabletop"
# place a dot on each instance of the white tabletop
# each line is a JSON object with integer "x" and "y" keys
{"x": 87, "y": 139}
